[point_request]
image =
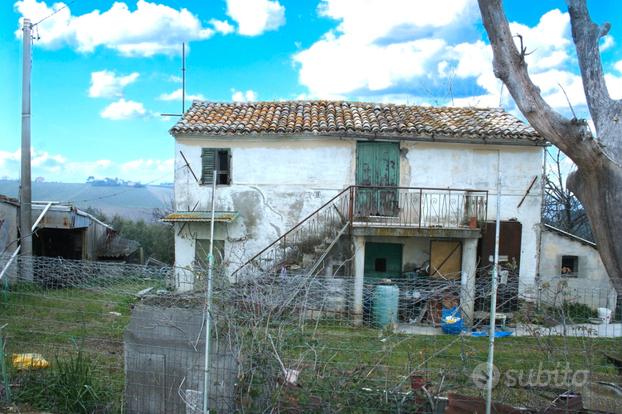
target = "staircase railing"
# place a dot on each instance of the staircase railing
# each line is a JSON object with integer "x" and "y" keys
{"x": 303, "y": 244}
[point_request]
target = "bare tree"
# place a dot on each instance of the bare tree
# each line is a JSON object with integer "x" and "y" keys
{"x": 561, "y": 208}
{"x": 168, "y": 207}
{"x": 597, "y": 182}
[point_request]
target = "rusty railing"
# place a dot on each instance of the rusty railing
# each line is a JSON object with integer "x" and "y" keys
{"x": 300, "y": 248}
{"x": 419, "y": 207}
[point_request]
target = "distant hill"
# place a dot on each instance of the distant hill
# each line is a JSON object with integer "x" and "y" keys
{"x": 126, "y": 201}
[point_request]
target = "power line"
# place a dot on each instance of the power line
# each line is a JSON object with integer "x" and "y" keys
{"x": 54, "y": 12}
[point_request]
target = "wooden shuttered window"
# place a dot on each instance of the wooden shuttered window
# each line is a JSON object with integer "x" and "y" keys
{"x": 219, "y": 160}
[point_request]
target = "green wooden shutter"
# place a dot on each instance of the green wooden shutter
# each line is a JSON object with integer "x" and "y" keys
{"x": 208, "y": 165}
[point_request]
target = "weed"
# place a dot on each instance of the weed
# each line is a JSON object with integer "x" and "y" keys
{"x": 71, "y": 385}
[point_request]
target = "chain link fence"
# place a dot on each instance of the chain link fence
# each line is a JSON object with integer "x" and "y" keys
{"x": 117, "y": 338}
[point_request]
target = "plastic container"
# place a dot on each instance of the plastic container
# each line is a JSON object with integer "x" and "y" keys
{"x": 385, "y": 305}
{"x": 451, "y": 321}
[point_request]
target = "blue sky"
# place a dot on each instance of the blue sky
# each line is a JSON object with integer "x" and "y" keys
{"x": 103, "y": 71}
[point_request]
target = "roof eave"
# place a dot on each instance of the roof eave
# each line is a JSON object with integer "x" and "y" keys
{"x": 570, "y": 235}
{"x": 516, "y": 140}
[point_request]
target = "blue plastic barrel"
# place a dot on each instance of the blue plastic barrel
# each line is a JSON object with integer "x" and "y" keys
{"x": 385, "y": 305}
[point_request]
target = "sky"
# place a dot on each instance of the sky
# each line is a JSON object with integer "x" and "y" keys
{"x": 104, "y": 71}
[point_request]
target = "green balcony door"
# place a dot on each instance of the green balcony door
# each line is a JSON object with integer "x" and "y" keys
{"x": 383, "y": 260}
{"x": 377, "y": 164}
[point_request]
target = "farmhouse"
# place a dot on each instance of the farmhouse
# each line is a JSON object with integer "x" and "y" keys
{"x": 407, "y": 189}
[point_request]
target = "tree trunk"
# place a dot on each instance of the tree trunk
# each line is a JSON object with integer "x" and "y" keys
{"x": 600, "y": 192}
{"x": 597, "y": 183}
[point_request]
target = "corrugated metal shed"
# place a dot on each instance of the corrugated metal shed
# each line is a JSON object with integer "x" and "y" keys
{"x": 201, "y": 216}
{"x": 64, "y": 217}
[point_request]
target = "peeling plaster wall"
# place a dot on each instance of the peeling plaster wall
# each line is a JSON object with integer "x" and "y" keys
{"x": 475, "y": 167}
{"x": 277, "y": 181}
{"x": 275, "y": 184}
{"x": 592, "y": 285}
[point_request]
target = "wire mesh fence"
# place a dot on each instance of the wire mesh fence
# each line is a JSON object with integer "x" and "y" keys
{"x": 107, "y": 337}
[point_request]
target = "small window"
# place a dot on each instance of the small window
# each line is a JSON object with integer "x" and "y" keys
{"x": 570, "y": 266}
{"x": 216, "y": 159}
{"x": 380, "y": 264}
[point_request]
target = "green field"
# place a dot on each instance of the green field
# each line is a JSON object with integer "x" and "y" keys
{"x": 349, "y": 368}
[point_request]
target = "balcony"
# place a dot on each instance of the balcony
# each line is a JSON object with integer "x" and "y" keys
{"x": 428, "y": 209}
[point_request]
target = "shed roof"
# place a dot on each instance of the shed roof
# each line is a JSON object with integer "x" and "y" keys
{"x": 569, "y": 235}
{"x": 343, "y": 118}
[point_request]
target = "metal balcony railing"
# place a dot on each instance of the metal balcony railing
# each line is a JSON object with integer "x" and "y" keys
{"x": 307, "y": 244}
{"x": 419, "y": 207}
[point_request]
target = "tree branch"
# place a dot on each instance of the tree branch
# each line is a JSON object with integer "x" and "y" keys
{"x": 571, "y": 136}
{"x": 586, "y": 35}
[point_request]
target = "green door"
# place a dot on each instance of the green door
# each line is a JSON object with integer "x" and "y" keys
{"x": 383, "y": 260}
{"x": 377, "y": 165}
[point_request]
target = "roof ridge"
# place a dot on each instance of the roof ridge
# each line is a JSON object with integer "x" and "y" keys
{"x": 349, "y": 102}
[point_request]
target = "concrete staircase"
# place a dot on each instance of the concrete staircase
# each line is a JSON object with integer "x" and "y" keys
{"x": 313, "y": 246}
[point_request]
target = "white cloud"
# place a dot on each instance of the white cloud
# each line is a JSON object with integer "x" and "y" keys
{"x": 123, "y": 109}
{"x": 614, "y": 85}
{"x": 7, "y": 157}
{"x": 418, "y": 51}
{"x": 606, "y": 43}
{"x": 548, "y": 41}
{"x": 380, "y": 45}
{"x": 106, "y": 84}
{"x": 159, "y": 167}
{"x": 57, "y": 167}
{"x": 222, "y": 26}
{"x": 175, "y": 79}
{"x": 241, "y": 96}
{"x": 149, "y": 29}
{"x": 176, "y": 95}
{"x": 255, "y": 17}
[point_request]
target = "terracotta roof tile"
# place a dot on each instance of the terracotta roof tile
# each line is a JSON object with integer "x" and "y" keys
{"x": 342, "y": 118}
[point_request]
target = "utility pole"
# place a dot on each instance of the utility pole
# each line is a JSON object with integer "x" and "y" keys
{"x": 25, "y": 194}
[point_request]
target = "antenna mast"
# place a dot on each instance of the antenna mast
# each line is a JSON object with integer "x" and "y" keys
{"x": 183, "y": 82}
{"x": 183, "y": 78}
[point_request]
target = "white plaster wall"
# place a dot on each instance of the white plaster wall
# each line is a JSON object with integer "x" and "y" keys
{"x": 475, "y": 167}
{"x": 276, "y": 182}
{"x": 592, "y": 285}
{"x": 185, "y": 242}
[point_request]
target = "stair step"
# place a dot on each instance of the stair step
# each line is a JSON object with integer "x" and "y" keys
{"x": 320, "y": 248}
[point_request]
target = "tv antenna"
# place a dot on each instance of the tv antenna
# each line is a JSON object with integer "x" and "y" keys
{"x": 183, "y": 82}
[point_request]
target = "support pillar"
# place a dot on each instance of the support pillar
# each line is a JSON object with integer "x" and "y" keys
{"x": 359, "y": 275}
{"x": 184, "y": 258}
{"x": 467, "y": 288}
